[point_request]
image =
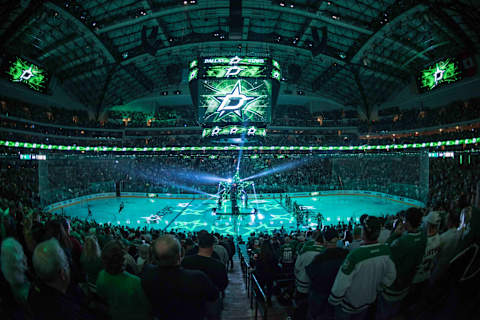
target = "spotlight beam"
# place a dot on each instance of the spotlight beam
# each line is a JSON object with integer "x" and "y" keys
{"x": 280, "y": 168}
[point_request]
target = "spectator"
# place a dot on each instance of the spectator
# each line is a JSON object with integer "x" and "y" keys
{"x": 54, "y": 296}
{"x": 448, "y": 246}
{"x": 14, "y": 269}
{"x": 143, "y": 256}
{"x": 432, "y": 248}
{"x": 91, "y": 260}
{"x": 407, "y": 245}
{"x": 176, "y": 293}
{"x": 266, "y": 268}
{"x": 302, "y": 281}
{"x": 121, "y": 290}
{"x": 213, "y": 268}
{"x": 322, "y": 272}
{"x": 221, "y": 252}
{"x": 357, "y": 239}
{"x": 363, "y": 273}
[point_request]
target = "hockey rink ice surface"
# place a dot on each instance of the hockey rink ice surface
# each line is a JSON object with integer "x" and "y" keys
{"x": 194, "y": 215}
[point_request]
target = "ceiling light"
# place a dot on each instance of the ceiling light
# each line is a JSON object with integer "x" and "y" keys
{"x": 282, "y": 4}
{"x": 164, "y": 93}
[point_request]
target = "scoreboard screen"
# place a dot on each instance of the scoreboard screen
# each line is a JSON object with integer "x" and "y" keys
{"x": 235, "y": 101}
{"x": 26, "y": 73}
{"x": 439, "y": 74}
{"x": 234, "y": 90}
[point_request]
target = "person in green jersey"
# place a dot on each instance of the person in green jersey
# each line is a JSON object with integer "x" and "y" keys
{"x": 121, "y": 290}
{"x": 407, "y": 246}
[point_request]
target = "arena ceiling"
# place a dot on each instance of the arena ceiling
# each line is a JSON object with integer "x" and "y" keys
{"x": 355, "y": 52}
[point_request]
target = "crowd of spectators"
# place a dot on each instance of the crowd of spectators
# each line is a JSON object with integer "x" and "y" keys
{"x": 394, "y": 119}
{"x": 400, "y": 266}
{"x": 387, "y": 120}
{"x": 56, "y": 267}
{"x": 62, "y": 177}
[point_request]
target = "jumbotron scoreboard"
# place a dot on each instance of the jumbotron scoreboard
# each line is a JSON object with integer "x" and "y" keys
{"x": 234, "y": 92}
{"x": 24, "y": 72}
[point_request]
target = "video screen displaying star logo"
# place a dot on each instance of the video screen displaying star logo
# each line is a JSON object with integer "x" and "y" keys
{"x": 26, "y": 73}
{"x": 439, "y": 74}
{"x": 235, "y": 101}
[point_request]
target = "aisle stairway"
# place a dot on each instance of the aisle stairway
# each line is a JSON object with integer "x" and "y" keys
{"x": 237, "y": 303}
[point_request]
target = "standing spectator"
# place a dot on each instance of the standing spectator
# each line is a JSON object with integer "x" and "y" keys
{"x": 363, "y": 273}
{"x": 121, "y": 290}
{"x": 448, "y": 245}
{"x": 176, "y": 293}
{"x": 91, "y": 260}
{"x": 14, "y": 268}
{"x": 407, "y": 245}
{"x": 266, "y": 268}
{"x": 357, "y": 238}
{"x": 213, "y": 268}
{"x": 302, "y": 281}
{"x": 322, "y": 272}
{"x": 424, "y": 269}
{"x": 54, "y": 296}
{"x": 221, "y": 252}
{"x": 143, "y": 256}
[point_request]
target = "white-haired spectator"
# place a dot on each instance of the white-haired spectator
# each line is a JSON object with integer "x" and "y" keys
{"x": 14, "y": 267}
{"x": 54, "y": 296}
{"x": 143, "y": 256}
{"x": 91, "y": 260}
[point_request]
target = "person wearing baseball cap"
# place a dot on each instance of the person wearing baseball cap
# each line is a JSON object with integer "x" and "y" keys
{"x": 364, "y": 270}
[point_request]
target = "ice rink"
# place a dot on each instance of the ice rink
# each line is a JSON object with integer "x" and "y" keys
{"x": 184, "y": 212}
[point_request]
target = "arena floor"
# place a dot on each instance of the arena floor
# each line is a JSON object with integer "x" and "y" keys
{"x": 194, "y": 215}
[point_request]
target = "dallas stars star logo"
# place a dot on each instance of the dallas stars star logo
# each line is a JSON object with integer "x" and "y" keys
{"x": 235, "y": 60}
{"x": 233, "y": 102}
{"x": 26, "y": 75}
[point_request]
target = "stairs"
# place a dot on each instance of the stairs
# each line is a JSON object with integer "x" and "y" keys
{"x": 236, "y": 302}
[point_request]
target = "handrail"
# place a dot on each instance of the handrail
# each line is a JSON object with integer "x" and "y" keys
{"x": 258, "y": 298}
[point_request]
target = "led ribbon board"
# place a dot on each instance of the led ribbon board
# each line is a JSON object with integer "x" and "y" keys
{"x": 439, "y": 74}
{"x": 388, "y": 147}
{"x": 233, "y": 130}
{"x": 26, "y": 73}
